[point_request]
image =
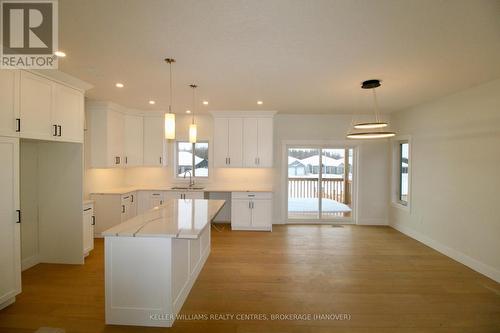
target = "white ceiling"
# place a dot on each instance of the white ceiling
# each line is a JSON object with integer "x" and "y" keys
{"x": 297, "y": 56}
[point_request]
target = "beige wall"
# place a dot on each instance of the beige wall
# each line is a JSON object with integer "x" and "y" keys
{"x": 455, "y": 154}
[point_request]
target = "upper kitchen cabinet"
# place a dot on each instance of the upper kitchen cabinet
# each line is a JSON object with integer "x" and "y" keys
{"x": 154, "y": 142}
{"x": 67, "y": 116}
{"x": 228, "y": 142}
{"x": 258, "y": 142}
{"x": 36, "y": 106}
{"x": 133, "y": 137}
{"x": 35, "y": 103}
{"x": 9, "y": 108}
{"x": 243, "y": 139}
{"x": 106, "y": 135}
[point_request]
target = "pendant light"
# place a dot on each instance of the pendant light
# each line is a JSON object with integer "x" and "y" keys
{"x": 372, "y": 128}
{"x": 192, "y": 128}
{"x": 170, "y": 116}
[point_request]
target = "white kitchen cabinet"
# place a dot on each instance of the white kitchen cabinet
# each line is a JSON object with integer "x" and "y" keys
{"x": 251, "y": 211}
{"x": 9, "y": 103}
{"x": 149, "y": 199}
{"x": 185, "y": 195}
{"x": 243, "y": 139}
{"x": 67, "y": 115}
{"x": 106, "y": 135}
{"x": 228, "y": 142}
{"x": 154, "y": 142}
{"x": 88, "y": 228}
{"x": 35, "y": 107}
{"x": 133, "y": 136}
{"x": 111, "y": 209}
{"x": 10, "y": 241}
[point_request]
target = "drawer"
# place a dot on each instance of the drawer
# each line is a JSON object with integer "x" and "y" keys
{"x": 252, "y": 195}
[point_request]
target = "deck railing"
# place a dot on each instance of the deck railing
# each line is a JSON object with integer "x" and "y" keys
{"x": 332, "y": 188}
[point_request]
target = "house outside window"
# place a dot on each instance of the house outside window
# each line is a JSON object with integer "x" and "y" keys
{"x": 192, "y": 157}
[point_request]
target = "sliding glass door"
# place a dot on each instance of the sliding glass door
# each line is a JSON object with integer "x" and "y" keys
{"x": 319, "y": 183}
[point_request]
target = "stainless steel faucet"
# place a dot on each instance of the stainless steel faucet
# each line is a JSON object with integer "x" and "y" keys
{"x": 191, "y": 181}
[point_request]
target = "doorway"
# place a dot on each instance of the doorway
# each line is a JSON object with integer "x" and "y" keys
{"x": 320, "y": 183}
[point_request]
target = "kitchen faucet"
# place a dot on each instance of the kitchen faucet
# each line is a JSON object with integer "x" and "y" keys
{"x": 191, "y": 182}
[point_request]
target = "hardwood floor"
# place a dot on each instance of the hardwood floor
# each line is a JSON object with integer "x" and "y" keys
{"x": 385, "y": 282}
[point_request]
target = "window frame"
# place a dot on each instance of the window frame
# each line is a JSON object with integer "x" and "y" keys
{"x": 176, "y": 160}
{"x": 397, "y": 172}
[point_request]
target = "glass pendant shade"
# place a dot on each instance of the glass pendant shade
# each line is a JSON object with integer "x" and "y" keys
{"x": 192, "y": 133}
{"x": 170, "y": 126}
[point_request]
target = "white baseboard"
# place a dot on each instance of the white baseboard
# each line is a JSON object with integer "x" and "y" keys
{"x": 476, "y": 265}
{"x": 372, "y": 222}
{"x": 30, "y": 262}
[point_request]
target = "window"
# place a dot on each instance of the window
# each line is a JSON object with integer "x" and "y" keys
{"x": 403, "y": 164}
{"x": 186, "y": 160}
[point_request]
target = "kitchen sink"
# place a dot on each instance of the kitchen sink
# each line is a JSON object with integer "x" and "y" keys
{"x": 188, "y": 188}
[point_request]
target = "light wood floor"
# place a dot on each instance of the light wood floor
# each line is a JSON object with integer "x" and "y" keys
{"x": 384, "y": 280}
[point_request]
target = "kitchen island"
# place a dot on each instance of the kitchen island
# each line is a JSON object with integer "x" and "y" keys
{"x": 153, "y": 259}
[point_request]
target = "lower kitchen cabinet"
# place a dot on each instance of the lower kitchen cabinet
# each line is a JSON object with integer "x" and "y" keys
{"x": 251, "y": 211}
{"x": 88, "y": 227}
{"x": 185, "y": 195}
{"x": 112, "y": 209}
{"x": 149, "y": 200}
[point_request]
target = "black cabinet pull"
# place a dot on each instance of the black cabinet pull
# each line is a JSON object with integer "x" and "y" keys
{"x": 18, "y": 124}
{"x": 126, "y": 159}
{"x": 60, "y": 129}
{"x": 18, "y": 215}
{"x": 132, "y": 198}
{"x": 93, "y": 220}
{"x": 160, "y": 159}
{"x": 117, "y": 159}
{"x": 87, "y": 209}
{"x": 123, "y": 208}
{"x": 55, "y": 130}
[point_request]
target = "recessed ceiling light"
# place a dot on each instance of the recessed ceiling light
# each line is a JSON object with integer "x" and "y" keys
{"x": 188, "y": 111}
{"x": 205, "y": 102}
{"x": 260, "y": 102}
{"x": 119, "y": 85}
{"x": 152, "y": 102}
{"x": 60, "y": 54}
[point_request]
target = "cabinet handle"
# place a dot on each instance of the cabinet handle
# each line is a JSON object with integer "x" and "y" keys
{"x": 93, "y": 220}
{"x": 126, "y": 159}
{"x": 229, "y": 158}
{"x": 155, "y": 194}
{"x": 123, "y": 208}
{"x": 249, "y": 205}
{"x": 87, "y": 209}
{"x": 161, "y": 202}
{"x": 18, "y": 124}
{"x": 60, "y": 129}
{"x": 125, "y": 198}
{"x": 117, "y": 159}
{"x": 18, "y": 216}
{"x": 160, "y": 159}
{"x": 132, "y": 198}
{"x": 253, "y": 205}
{"x": 55, "y": 130}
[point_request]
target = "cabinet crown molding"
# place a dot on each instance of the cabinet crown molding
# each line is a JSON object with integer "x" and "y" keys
{"x": 243, "y": 114}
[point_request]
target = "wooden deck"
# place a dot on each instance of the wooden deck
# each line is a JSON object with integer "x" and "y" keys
{"x": 384, "y": 281}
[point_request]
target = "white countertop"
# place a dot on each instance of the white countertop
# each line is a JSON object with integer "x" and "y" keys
{"x": 206, "y": 188}
{"x": 176, "y": 218}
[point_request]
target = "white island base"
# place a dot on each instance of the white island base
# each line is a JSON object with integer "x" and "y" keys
{"x": 150, "y": 270}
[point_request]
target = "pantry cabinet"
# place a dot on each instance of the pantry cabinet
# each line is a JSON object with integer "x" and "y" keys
{"x": 133, "y": 137}
{"x": 251, "y": 211}
{"x": 10, "y": 218}
{"x": 243, "y": 139}
{"x": 154, "y": 142}
{"x": 88, "y": 228}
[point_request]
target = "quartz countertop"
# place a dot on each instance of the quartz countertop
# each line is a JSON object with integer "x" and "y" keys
{"x": 176, "y": 218}
{"x": 206, "y": 188}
